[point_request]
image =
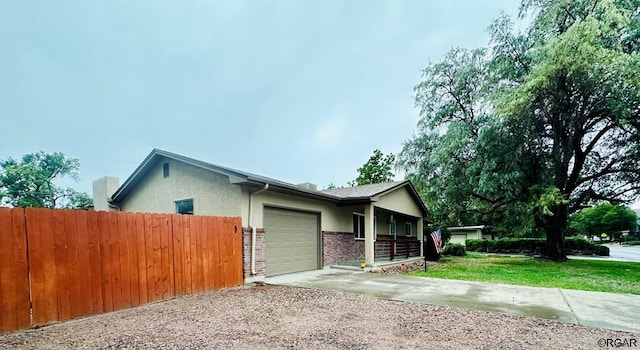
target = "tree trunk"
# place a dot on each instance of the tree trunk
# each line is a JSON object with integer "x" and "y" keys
{"x": 555, "y": 227}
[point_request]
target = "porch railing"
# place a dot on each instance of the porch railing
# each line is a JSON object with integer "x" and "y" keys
{"x": 387, "y": 248}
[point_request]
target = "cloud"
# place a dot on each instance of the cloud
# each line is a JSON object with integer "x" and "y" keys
{"x": 329, "y": 134}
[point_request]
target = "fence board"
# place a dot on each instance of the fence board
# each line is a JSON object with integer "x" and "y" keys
{"x": 207, "y": 254}
{"x": 186, "y": 246}
{"x": 95, "y": 267}
{"x": 14, "y": 307}
{"x": 233, "y": 263}
{"x": 123, "y": 259}
{"x": 62, "y": 265}
{"x": 50, "y": 271}
{"x": 177, "y": 229}
{"x": 134, "y": 277}
{"x": 84, "y": 262}
{"x": 84, "y": 266}
{"x": 141, "y": 254}
{"x": 72, "y": 256}
{"x": 157, "y": 258}
{"x": 213, "y": 229}
{"x": 165, "y": 272}
{"x": 151, "y": 276}
{"x": 105, "y": 260}
{"x": 196, "y": 280}
{"x": 37, "y": 259}
{"x": 20, "y": 266}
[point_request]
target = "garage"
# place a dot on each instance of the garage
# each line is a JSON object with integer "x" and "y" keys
{"x": 291, "y": 241}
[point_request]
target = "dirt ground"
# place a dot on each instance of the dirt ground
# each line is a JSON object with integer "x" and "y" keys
{"x": 271, "y": 317}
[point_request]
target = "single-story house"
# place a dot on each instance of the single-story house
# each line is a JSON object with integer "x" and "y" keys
{"x": 462, "y": 233}
{"x": 286, "y": 227}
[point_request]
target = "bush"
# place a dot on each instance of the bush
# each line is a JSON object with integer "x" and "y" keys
{"x": 454, "y": 249}
{"x": 573, "y": 246}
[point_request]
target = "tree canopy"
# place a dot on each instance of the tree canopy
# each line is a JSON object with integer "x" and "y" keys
{"x": 29, "y": 182}
{"x": 538, "y": 125}
{"x": 604, "y": 218}
{"x": 376, "y": 170}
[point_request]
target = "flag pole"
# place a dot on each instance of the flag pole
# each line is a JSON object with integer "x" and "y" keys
{"x": 425, "y": 239}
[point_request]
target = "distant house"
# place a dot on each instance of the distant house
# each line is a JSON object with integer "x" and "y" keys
{"x": 462, "y": 233}
{"x": 286, "y": 227}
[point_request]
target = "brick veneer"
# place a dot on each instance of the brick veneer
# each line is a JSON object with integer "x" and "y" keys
{"x": 340, "y": 246}
{"x": 246, "y": 252}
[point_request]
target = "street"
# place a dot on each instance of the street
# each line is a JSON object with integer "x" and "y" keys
{"x": 622, "y": 252}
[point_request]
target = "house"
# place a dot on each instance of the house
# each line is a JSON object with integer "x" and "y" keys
{"x": 286, "y": 227}
{"x": 462, "y": 233}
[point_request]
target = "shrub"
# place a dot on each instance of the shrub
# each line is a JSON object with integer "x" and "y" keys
{"x": 573, "y": 246}
{"x": 454, "y": 249}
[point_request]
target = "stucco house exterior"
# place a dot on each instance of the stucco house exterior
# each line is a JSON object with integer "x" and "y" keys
{"x": 462, "y": 233}
{"x": 286, "y": 227}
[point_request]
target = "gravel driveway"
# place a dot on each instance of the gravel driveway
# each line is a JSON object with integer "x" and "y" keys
{"x": 267, "y": 317}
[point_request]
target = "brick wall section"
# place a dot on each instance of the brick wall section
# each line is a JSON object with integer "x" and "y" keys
{"x": 340, "y": 246}
{"x": 246, "y": 252}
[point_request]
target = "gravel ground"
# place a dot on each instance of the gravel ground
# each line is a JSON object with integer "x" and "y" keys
{"x": 268, "y": 317}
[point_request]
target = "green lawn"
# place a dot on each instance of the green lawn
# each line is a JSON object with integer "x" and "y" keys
{"x": 593, "y": 275}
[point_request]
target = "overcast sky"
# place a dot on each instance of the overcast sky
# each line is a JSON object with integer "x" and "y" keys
{"x": 294, "y": 90}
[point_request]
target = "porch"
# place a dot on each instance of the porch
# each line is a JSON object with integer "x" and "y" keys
{"x": 401, "y": 248}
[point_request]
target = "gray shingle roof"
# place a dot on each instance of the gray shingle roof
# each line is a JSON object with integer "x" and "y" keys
{"x": 336, "y": 195}
{"x": 364, "y": 190}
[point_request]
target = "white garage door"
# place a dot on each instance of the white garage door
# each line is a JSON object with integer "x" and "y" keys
{"x": 458, "y": 238}
{"x": 291, "y": 241}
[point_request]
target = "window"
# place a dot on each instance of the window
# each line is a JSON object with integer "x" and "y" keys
{"x": 392, "y": 228}
{"x": 358, "y": 226}
{"x": 408, "y": 229}
{"x": 184, "y": 207}
{"x": 165, "y": 170}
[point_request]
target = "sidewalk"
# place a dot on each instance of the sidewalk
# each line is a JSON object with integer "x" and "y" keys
{"x": 593, "y": 309}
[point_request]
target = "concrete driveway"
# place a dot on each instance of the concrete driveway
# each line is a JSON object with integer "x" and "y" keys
{"x": 594, "y": 309}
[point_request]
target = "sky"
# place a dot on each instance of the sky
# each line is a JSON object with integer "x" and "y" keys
{"x": 300, "y": 91}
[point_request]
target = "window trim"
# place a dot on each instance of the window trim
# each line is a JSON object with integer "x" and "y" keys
{"x": 165, "y": 170}
{"x": 410, "y": 225}
{"x": 356, "y": 234}
{"x": 393, "y": 229}
{"x": 375, "y": 228}
{"x": 176, "y": 203}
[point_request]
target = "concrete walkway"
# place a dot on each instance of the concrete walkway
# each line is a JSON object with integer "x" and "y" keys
{"x": 594, "y": 309}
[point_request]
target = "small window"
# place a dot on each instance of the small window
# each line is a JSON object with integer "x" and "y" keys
{"x": 184, "y": 207}
{"x": 392, "y": 228}
{"x": 358, "y": 225}
{"x": 408, "y": 229}
{"x": 165, "y": 170}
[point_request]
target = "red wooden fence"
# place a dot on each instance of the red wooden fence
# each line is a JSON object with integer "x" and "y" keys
{"x": 72, "y": 263}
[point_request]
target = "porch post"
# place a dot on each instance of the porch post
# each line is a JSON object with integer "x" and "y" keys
{"x": 368, "y": 235}
{"x": 420, "y": 232}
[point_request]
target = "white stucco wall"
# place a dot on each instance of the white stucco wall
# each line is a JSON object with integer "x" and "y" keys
{"x": 212, "y": 193}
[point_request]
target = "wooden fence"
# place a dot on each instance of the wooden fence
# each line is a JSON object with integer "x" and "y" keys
{"x": 56, "y": 265}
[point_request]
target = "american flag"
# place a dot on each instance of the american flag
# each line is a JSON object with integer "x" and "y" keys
{"x": 437, "y": 240}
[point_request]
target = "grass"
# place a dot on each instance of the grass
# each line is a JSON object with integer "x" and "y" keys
{"x": 591, "y": 275}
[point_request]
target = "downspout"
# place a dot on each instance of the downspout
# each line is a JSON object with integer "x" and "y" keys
{"x": 253, "y": 228}
{"x": 111, "y": 205}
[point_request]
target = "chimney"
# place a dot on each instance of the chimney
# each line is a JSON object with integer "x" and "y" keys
{"x": 103, "y": 188}
{"x": 308, "y": 186}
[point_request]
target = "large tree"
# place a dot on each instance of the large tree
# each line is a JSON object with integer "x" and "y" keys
{"x": 541, "y": 123}
{"x": 29, "y": 182}
{"x": 375, "y": 170}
